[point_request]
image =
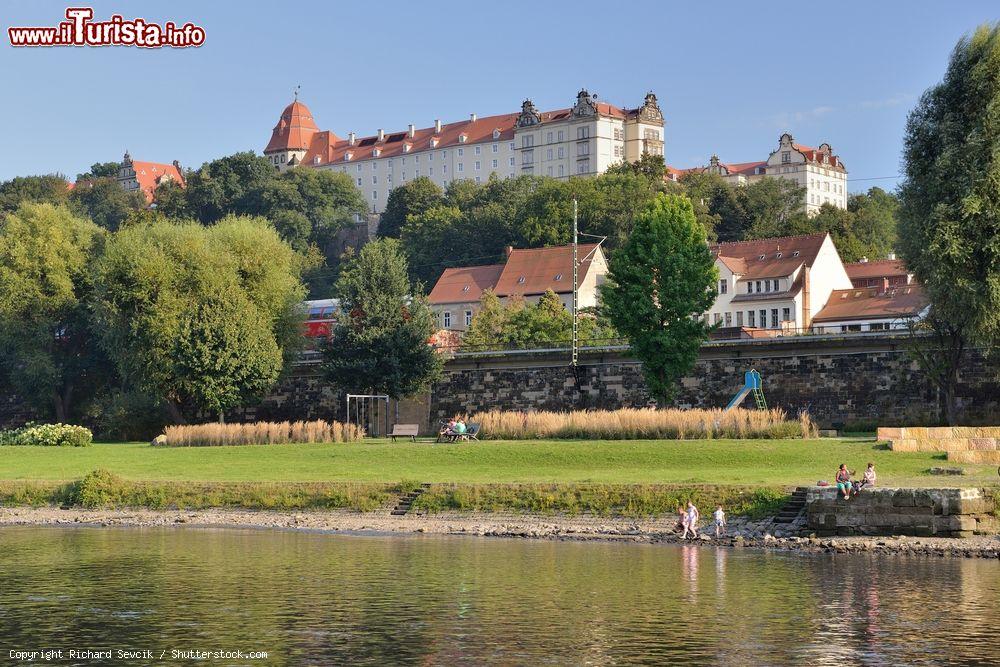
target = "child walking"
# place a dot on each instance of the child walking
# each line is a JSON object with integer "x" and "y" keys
{"x": 720, "y": 521}
{"x": 692, "y": 521}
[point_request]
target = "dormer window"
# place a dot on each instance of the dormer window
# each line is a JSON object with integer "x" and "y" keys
{"x": 778, "y": 256}
{"x": 558, "y": 276}
{"x": 434, "y": 142}
{"x": 761, "y": 257}
{"x": 347, "y": 157}
{"x": 406, "y": 148}
{"x": 465, "y": 288}
{"x": 316, "y": 160}
{"x": 520, "y": 281}
{"x": 462, "y": 138}
{"x": 496, "y": 134}
{"x": 795, "y": 254}
{"x": 376, "y": 152}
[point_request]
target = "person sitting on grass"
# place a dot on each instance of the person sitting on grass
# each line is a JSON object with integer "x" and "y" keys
{"x": 692, "y": 521}
{"x": 844, "y": 481}
{"x": 868, "y": 479}
{"x": 720, "y": 521}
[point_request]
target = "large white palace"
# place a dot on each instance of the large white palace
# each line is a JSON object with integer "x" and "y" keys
{"x": 584, "y": 139}
{"x": 818, "y": 170}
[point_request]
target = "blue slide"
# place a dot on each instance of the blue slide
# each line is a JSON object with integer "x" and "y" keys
{"x": 751, "y": 384}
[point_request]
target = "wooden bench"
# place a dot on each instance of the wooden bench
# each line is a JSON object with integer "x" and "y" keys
{"x": 404, "y": 431}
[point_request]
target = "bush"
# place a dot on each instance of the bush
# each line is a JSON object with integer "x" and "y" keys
{"x": 640, "y": 423}
{"x": 48, "y": 435}
{"x": 261, "y": 433}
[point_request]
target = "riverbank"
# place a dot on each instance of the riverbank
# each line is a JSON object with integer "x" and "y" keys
{"x": 742, "y": 534}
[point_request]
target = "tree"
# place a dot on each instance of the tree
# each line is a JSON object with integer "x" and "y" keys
{"x": 772, "y": 207}
{"x": 411, "y": 198}
{"x": 491, "y": 328}
{"x": 380, "y": 344}
{"x": 52, "y": 189}
{"x": 203, "y": 318}
{"x": 950, "y": 196}
{"x": 105, "y": 202}
{"x": 49, "y": 356}
{"x": 658, "y": 285}
{"x": 876, "y": 221}
{"x": 100, "y": 170}
{"x": 649, "y": 165}
{"x": 229, "y": 185}
{"x": 328, "y": 200}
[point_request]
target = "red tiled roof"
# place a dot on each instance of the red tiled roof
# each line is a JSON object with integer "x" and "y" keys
{"x": 816, "y": 155}
{"x": 882, "y": 268}
{"x": 535, "y": 270}
{"x": 150, "y": 174}
{"x": 794, "y": 251}
{"x": 325, "y": 147}
{"x": 873, "y": 303}
{"x": 295, "y": 129}
{"x": 465, "y": 284}
{"x": 747, "y": 168}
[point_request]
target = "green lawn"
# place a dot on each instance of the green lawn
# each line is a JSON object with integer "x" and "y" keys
{"x": 743, "y": 462}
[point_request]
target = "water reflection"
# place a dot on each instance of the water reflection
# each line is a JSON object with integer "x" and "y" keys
{"x": 322, "y": 599}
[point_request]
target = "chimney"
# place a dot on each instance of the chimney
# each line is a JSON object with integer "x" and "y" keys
{"x": 437, "y": 126}
{"x": 891, "y": 255}
{"x": 806, "y": 299}
{"x": 885, "y": 283}
{"x": 508, "y": 251}
{"x": 350, "y": 138}
{"x": 863, "y": 260}
{"x": 381, "y": 135}
{"x": 412, "y": 130}
{"x": 472, "y": 118}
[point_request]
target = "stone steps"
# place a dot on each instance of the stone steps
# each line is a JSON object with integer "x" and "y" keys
{"x": 793, "y": 508}
{"x": 405, "y": 502}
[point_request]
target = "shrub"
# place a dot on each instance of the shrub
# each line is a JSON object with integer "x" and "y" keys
{"x": 639, "y": 423}
{"x": 261, "y": 433}
{"x": 48, "y": 435}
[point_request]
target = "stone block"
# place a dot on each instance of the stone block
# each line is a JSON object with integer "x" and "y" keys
{"x": 888, "y": 433}
{"x": 982, "y": 444}
{"x": 939, "y": 433}
{"x": 975, "y": 456}
{"x": 902, "y": 498}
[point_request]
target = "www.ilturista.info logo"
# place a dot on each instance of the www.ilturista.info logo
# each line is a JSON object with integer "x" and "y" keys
{"x": 80, "y": 30}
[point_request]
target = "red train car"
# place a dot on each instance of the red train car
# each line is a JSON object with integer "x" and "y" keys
{"x": 320, "y": 316}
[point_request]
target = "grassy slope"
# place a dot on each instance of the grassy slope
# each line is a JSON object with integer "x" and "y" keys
{"x": 747, "y": 462}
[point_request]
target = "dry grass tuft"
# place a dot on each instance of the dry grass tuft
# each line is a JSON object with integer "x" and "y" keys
{"x": 261, "y": 433}
{"x": 641, "y": 423}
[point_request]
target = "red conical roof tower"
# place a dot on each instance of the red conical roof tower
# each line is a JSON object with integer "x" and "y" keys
{"x": 294, "y": 130}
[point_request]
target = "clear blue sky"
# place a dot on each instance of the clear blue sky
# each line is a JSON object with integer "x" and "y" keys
{"x": 730, "y": 77}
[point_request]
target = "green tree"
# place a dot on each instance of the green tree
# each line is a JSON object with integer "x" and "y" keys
{"x": 328, "y": 200}
{"x": 380, "y": 344}
{"x": 772, "y": 207}
{"x": 491, "y": 327}
{"x": 171, "y": 200}
{"x": 649, "y": 165}
{"x": 100, "y": 170}
{"x": 202, "y": 318}
{"x": 105, "y": 202}
{"x": 230, "y": 185}
{"x": 49, "y": 356}
{"x": 411, "y": 198}
{"x": 876, "y": 221}
{"x": 51, "y": 188}
{"x": 950, "y": 196}
{"x": 658, "y": 285}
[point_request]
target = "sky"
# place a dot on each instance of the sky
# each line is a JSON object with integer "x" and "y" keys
{"x": 730, "y": 77}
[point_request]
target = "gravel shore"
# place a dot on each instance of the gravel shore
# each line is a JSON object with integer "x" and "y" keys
{"x": 742, "y": 534}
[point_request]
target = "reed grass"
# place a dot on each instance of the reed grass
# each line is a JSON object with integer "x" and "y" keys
{"x": 641, "y": 424}
{"x": 261, "y": 433}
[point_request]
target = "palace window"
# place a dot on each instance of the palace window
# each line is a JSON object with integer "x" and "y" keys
{"x": 468, "y": 318}
{"x": 774, "y": 318}
{"x": 723, "y": 286}
{"x": 446, "y": 319}
{"x": 583, "y": 132}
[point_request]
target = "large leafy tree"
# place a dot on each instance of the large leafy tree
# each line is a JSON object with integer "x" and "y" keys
{"x": 380, "y": 343}
{"x": 230, "y": 185}
{"x": 51, "y": 188}
{"x": 203, "y": 318}
{"x": 411, "y": 198}
{"x": 105, "y": 202}
{"x": 100, "y": 170}
{"x": 950, "y": 197}
{"x": 658, "y": 285}
{"x": 309, "y": 206}
{"x": 45, "y": 257}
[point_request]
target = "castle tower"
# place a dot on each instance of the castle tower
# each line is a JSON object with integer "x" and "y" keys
{"x": 291, "y": 136}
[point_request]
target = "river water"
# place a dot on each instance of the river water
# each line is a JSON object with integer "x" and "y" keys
{"x": 307, "y": 598}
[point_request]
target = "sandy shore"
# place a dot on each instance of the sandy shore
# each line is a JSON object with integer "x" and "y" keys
{"x": 540, "y": 527}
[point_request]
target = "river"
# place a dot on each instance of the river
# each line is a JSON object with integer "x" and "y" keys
{"x": 309, "y": 598}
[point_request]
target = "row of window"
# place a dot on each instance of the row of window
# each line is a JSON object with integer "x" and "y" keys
{"x": 767, "y": 285}
{"x": 814, "y": 184}
{"x": 446, "y": 319}
{"x": 752, "y": 318}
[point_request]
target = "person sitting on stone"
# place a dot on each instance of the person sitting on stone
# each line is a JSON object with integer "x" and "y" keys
{"x": 844, "y": 481}
{"x": 869, "y": 477}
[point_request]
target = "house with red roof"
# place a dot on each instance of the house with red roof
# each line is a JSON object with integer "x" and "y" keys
{"x": 581, "y": 140}
{"x": 147, "y": 176}
{"x": 775, "y": 285}
{"x": 524, "y": 274}
{"x": 884, "y": 273}
{"x": 818, "y": 170}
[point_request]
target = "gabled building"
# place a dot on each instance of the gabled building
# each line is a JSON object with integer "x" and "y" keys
{"x": 818, "y": 170}
{"x": 775, "y": 284}
{"x": 526, "y": 274}
{"x": 582, "y": 140}
{"x": 146, "y": 176}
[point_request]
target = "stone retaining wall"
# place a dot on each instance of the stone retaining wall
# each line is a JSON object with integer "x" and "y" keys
{"x": 920, "y": 512}
{"x": 963, "y": 444}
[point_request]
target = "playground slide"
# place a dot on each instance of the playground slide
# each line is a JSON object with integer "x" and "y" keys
{"x": 738, "y": 398}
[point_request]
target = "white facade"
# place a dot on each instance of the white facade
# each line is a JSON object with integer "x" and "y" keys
{"x": 583, "y": 140}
